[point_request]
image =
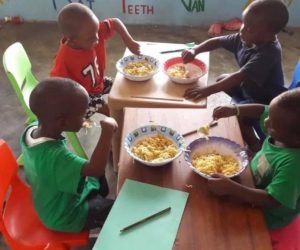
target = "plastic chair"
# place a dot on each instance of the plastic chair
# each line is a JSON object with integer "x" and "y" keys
{"x": 296, "y": 77}
{"x": 17, "y": 67}
{"x": 19, "y": 223}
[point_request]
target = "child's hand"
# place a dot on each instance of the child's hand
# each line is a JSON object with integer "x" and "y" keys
{"x": 196, "y": 93}
{"x": 104, "y": 109}
{"x": 188, "y": 55}
{"x": 109, "y": 125}
{"x": 220, "y": 185}
{"x": 223, "y": 111}
{"x": 134, "y": 47}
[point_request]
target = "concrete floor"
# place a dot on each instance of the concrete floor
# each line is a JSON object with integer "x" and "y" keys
{"x": 41, "y": 42}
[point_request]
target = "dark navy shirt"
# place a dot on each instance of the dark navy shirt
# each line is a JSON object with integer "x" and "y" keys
{"x": 261, "y": 64}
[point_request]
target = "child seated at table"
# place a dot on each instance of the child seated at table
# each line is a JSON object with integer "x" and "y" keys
{"x": 81, "y": 55}
{"x": 257, "y": 52}
{"x": 275, "y": 168}
{"x": 68, "y": 191}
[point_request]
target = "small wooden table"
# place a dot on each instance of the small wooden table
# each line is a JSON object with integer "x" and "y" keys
{"x": 124, "y": 92}
{"x": 208, "y": 222}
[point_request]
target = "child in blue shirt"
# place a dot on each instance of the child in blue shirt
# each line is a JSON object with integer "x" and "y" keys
{"x": 257, "y": 52}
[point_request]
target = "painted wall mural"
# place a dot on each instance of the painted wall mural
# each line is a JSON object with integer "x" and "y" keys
{"x": 180, "y": 12}
{"x": 193, "y": 5}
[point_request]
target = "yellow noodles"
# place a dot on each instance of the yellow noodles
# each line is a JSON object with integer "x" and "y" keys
{"x": 213, "y": 163}
{"x": 178, "y": 71}
{"x": 184, "y": 71}
{"x": 155, "y": 148}
{"x": 141, "y": 68}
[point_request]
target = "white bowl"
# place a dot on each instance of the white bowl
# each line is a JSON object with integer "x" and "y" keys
{"x": 218, "y": 145}
{"x": 121, "y": 63}
{"x": 195, "y": 65}
{"x": 150, "y": 130}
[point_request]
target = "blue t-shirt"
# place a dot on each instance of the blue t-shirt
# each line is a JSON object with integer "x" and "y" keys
{"x": 262, "y": 65}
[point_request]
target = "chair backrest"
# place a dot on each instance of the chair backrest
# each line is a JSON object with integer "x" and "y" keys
{"x": 296, "y": 77}
{"x": 17, "y": 67}
{"x": 8, "y": 176}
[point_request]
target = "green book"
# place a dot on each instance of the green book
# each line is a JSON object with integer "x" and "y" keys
{"x": 135, "y": 202}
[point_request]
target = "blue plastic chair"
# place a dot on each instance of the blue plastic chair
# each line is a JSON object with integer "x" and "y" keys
{"x": 296, "y": 77}
{"x": 17, "y": 67}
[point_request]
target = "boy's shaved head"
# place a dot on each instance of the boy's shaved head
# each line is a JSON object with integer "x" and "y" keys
{"x": 272, "y": 13}
{"x": 56, "y": 96}
{"x": 289, "y": 101}
{"x": 72, "y": 16}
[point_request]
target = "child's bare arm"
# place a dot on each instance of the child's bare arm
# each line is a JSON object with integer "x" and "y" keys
{"x": 208, "y": 45}
{"x": 130, "y": 43}
{"x": 223, "y": 186}
{"x": 231, "y": 81}
{"x": 96, "y": 165}
{"x": 244, "y": 110}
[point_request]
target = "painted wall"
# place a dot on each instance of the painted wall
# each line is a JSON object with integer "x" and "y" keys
{"x": 165, "y": 12}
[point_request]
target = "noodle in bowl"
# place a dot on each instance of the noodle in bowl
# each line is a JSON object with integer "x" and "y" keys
{"x": 182, "y": 73}
{"x": 216, "y": 155}
{"x": 138, "y": 67}
{"x": 154, "y": 145}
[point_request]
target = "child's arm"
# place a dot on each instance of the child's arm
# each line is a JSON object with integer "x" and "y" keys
{"x": 130, "y": 43}
{"x": 208, "y": 45}
{"x": 96, "y": 165}
{"x": 244, "y": 110}
{"x": 222, "y": 186}
{"x": 227, "y": 83}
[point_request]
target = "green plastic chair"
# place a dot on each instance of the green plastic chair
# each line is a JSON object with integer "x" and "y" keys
{"x": 17, "y": 67}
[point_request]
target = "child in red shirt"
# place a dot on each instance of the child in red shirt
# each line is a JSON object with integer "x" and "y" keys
{"x": 81, "y": 55}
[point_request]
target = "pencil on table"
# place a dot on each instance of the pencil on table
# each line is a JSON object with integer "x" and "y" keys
{"x": 158, "y": 98}
{"x": 145, "y": 219}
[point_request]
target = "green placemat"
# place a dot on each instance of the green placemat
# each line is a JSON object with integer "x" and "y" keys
{"x": 136, "y": 201}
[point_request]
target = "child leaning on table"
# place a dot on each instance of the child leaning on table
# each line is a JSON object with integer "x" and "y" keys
{"x": 81, "y": 55}
{"x": 276, "y": 167}
{"x": 257, "y": 52}
{"x": 68, "y": 191}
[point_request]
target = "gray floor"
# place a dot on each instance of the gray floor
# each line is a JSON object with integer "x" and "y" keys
{"x": 41, "y": 42}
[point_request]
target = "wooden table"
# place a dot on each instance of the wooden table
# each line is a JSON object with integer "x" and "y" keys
{"x": 208, "y": 222}
{"x": 123, "y": 90}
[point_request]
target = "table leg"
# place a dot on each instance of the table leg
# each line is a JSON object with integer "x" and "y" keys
{"x": 116, "y": 142}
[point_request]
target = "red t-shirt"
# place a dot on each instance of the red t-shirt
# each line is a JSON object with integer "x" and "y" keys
{"x": 84, "y": 66}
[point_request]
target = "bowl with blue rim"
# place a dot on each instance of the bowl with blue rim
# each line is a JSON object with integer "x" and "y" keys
{"x": 154, "y": 145}
{"x": 138, "y": 67}
{"x": 212, "y": 148}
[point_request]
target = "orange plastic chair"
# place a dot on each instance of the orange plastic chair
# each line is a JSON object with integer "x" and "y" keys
{"x": 19, "y": 223}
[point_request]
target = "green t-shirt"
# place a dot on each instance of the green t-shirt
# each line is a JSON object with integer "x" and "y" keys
{"x": 277, "y": 170}
{"x": 59, "y": 191}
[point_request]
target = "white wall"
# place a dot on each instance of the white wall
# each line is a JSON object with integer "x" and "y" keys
{"x": 165, "y": 12}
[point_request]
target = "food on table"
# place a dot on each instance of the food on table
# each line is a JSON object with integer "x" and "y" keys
{"x": 204, "y": 130}
{"x": 184, "y": 71}
{"x": 155, "y": 148}
{"x": 214, "y": 163}
{"x": 140, "y": 68}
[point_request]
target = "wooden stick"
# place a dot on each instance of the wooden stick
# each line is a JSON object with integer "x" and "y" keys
{"x": 158, "y": 98}
{"x": 211, "y": 124}
{"x": 171, "y": 51}
{"x": 145, "y": 219}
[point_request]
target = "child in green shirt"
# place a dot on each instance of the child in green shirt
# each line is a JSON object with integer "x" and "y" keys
{"x": 68, "y": 191}
{"x": 276, "y": 167}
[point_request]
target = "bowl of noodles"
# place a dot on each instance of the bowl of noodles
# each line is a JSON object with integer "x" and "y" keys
{"x": 186, "y": 73}
{"x": 216, "y": 155}
{"x": 154, "y": 145}
{"x": 138, "y": 67}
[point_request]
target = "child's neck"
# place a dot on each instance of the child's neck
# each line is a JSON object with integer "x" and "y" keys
{"x": 43, "y": 131}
